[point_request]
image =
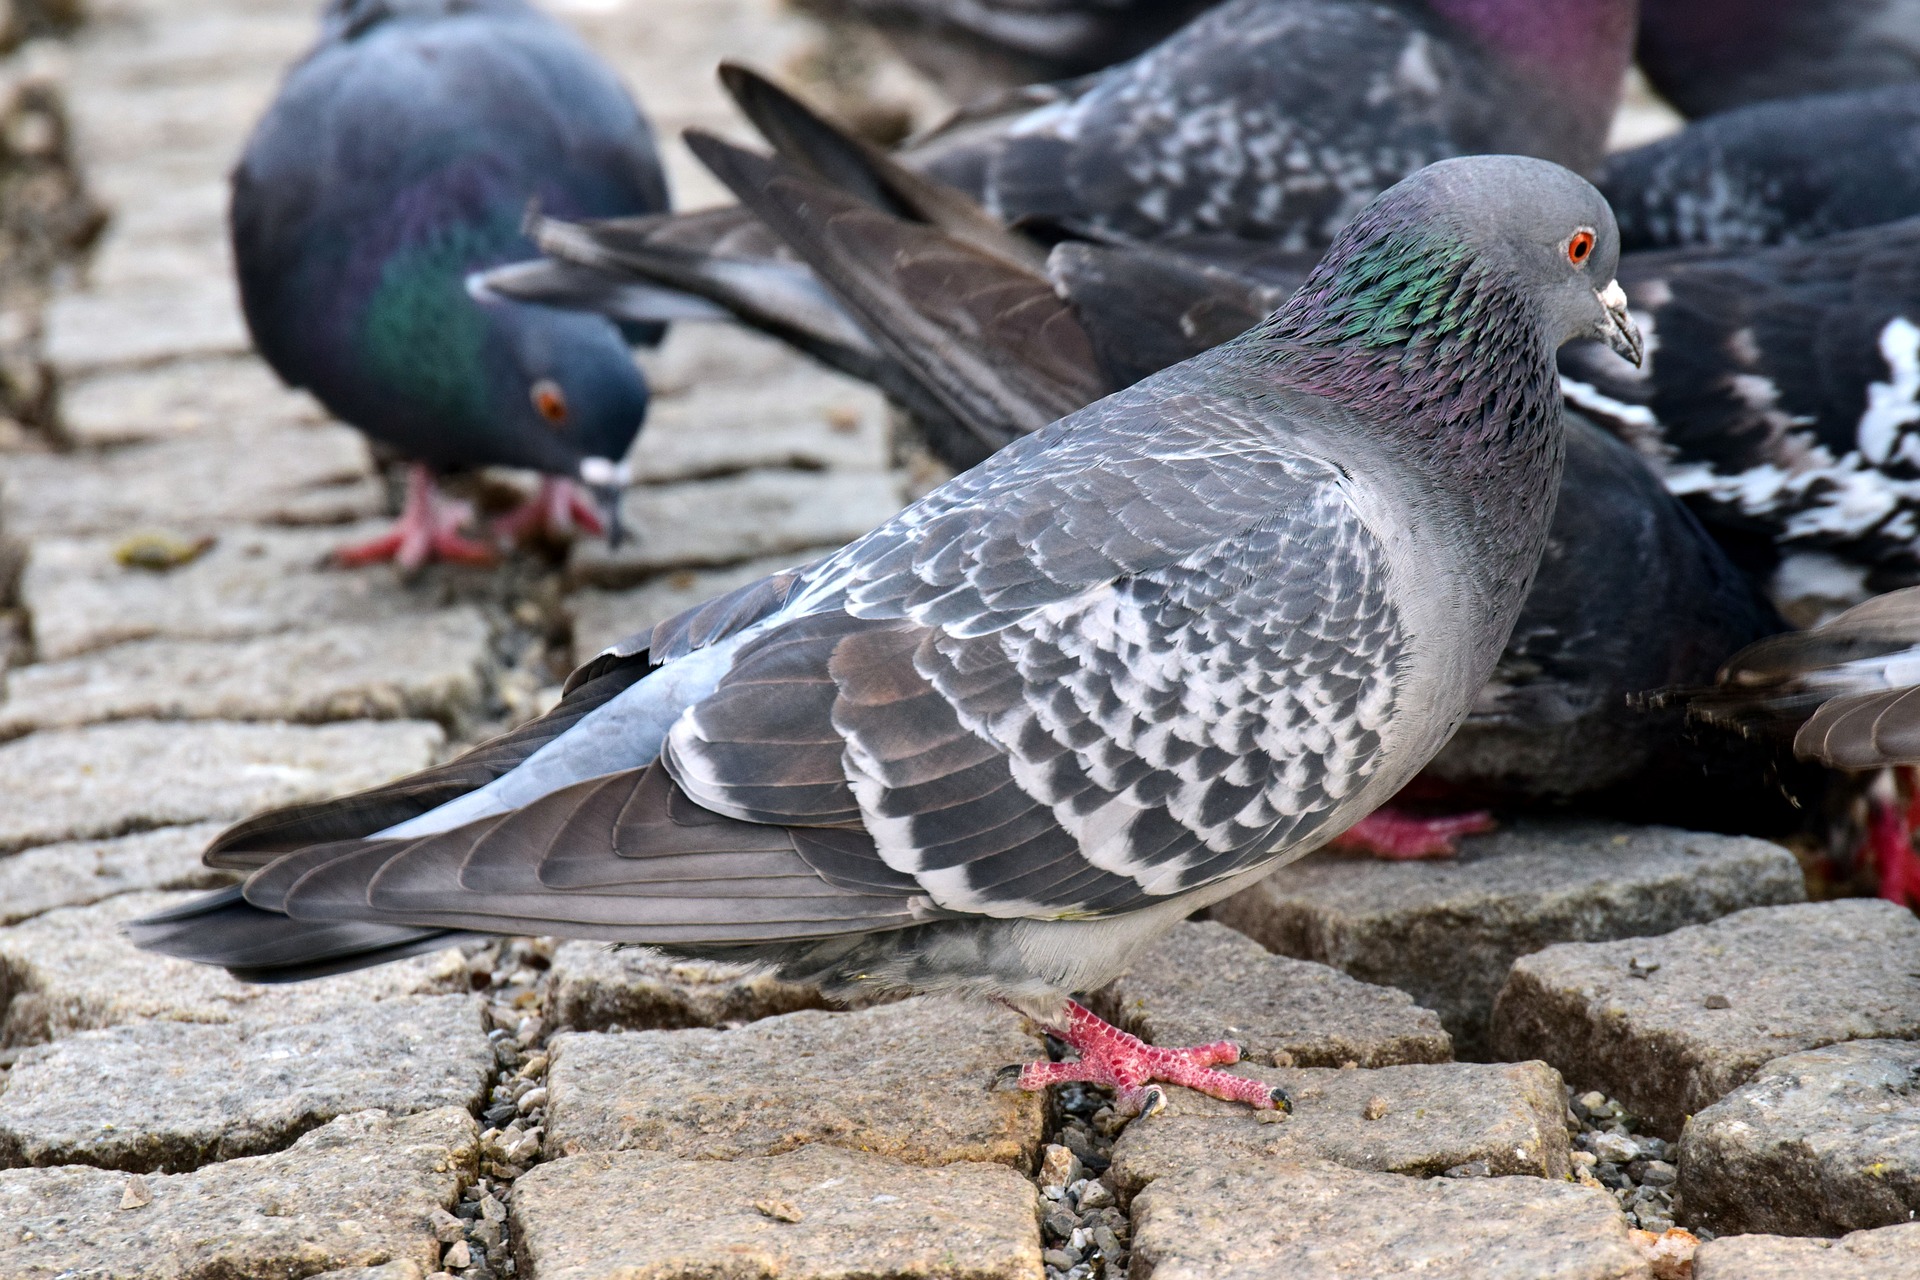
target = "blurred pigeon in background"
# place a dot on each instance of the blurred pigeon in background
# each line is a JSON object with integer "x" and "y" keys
{"x": 998, "y": 745}
{"x": 399, "y": 158}
{"x": 1707, "y": 56}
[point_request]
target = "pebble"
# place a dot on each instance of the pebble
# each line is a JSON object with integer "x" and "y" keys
{"x": 1447, "y": 931}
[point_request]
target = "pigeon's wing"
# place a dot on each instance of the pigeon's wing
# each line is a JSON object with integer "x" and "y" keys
{"x": 1772, "y": 172}
{"x": 1773, "y": 400}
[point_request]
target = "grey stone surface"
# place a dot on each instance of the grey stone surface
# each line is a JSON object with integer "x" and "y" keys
{"x": 703, "y": 523}
{"x": 1638, "y": 1019}
{"x": 1891, "y": 1253}
{"x": 1206, "y": 982}
{"x": 73, "y": 970}
{"x": 812, "y": 1214}
{"x": 1426, "y": 1119}
{"x": 1815, "y": 1144}
{"x": 906, "y": 1080}
{"x": 357, "y": 1192}
{"x": 1446, "y": 932}
{"x": 173, "y": 1096}
{"x": 178, "y": 399}
{"x": 602, "y": 617}
{"x": 111, "y": 779}
{"x": 1315, "y": 1221}
{"x": 207, "y": 481}
{"x": 144, "y": 322}
{"x": 597, "y": 988}
{"x": 426, "y": 667}
{"x": 81, "y": 872}
{"x": 250, "y": 582}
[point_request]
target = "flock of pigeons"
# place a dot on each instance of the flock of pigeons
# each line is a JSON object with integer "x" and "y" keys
{"x": 1322, "y": 439}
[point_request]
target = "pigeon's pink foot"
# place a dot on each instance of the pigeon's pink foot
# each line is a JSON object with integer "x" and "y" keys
{"x": 1890, "y": 827}
{"x": 428, "y": 529}
{"x": 555, "y": 513}
{"x": 1129, "y": 1065}
{"x": 1402, "y": 837}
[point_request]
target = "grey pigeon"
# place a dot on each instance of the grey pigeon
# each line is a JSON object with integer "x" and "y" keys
{"x": 1708, "y": 56}
{"x": 1121, "y": 669}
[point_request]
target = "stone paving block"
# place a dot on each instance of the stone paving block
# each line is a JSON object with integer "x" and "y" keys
{"x": 602, "y": 617}
{"x": 1446, "y": 932}
{"x": 1428, "y": 1118}
{"x": 810, "y": 1214}
{"x": 144, "y": 324}
{"x": 173, "y": 1096}
{"x": 251, "y": 582}
{"x": 111, "y": 779}
{"x": 1670, "y": 1025}
{"x": 207, "y": 482}
{"x": 1815, "y": 1144}
{"x": 180, "y": 398}
{"x": 73, "y": 970}
{"x": 359, "y": 1191}
{"x": 1205, "y": 982}
{"x": 697, "y": 356}
{"x": 801, "y": 417}
{"x": 1891, "y": 1253}
{"x": 715, "y": 522}
{"x": 908, "y": 1080}
{"x": 1316, "y": 1221}
{"x": 427, "y": 667}
{"x": 595, "y": 987}
{"x": 81, "y": 872}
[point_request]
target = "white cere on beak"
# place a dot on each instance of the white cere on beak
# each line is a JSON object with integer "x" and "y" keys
{"x": 604, "y": 473}
{"x": 1613, "y": 297}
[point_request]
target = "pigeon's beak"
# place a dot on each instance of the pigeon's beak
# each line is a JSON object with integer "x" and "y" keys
{"x": 605, "y": 480}
{"x": 1618, "y": 330}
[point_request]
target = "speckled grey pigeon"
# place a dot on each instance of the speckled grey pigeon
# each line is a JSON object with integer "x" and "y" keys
{"x": 1116, "y": 672}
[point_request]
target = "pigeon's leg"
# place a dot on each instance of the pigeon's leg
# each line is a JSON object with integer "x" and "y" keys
{"x": 1890, "y": 828}
{"x": 1402, "y": 837}
{"x": 428, "y": 529}
{"x": 1129, "y": 1066}
{"x": 557, "y": 512}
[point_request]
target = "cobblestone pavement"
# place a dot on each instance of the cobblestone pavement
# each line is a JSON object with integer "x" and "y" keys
{"x": 175, "y": 656}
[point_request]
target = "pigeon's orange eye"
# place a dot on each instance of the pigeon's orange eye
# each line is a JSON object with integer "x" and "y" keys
{"x": 1579, "y": 247}
{"x": 550, "y": 400}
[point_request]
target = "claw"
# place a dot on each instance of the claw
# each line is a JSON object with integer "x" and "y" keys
{"x": 1128, "y": 1065}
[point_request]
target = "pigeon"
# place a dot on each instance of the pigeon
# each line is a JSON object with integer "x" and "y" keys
{"x": 1772, "y": 173}
{"x": 398, "y": 159}
{"x": 1121, "y": 669}
{"x": 992, "y": 342}
{"x": 1708, "y": 56}
{"x": 1848, "y": 691}
{"x": 974, "y": 47}
{"x": 1781, "y": 395}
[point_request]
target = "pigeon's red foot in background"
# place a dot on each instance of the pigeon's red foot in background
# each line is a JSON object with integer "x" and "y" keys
{"x": 428, "y": 529}
{"x": 1402, "y": 837}
{"x": 1129, "y": 1065}
{"x": 1890, "y": 828}
{"x": 560, "y": 510}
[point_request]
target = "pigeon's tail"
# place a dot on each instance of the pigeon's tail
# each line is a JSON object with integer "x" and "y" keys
{"x": 1848, "y": 690}
{"x": 223, "y": 928}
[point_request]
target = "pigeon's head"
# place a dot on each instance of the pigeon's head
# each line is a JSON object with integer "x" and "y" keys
{"x": 1546, "y": 231}
{"x": 573, "y": 395}
{"x": 1469, "y": 248}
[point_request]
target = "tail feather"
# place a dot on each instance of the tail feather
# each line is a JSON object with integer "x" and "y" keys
{"x": 264, "y": 946}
